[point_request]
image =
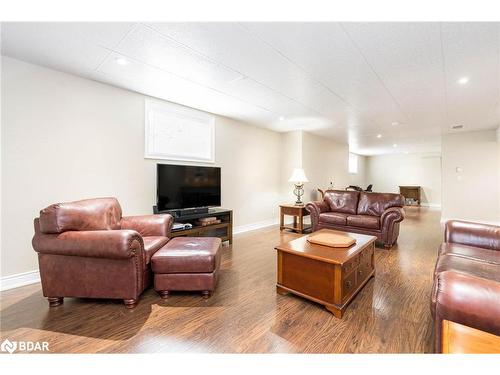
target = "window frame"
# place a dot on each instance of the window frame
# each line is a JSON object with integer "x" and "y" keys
{"x": 177, "y": 110}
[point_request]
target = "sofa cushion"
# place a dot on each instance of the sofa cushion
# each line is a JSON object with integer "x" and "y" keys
{"x": 473, "y": 267}
{"x": 88, "y": 214}
{"x": 335, "y": 218}
{"x": 470, "y": 252}
{"x": 376, "y": 203}
{"x": 188, "y": 255}
{"x": 152, "y": 244}
{"x": 363, "y": 221}
{"x": 342, "y": 200}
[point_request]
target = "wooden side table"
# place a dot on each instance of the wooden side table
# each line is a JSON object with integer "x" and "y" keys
{"x": 298, "y": 212}
{"x": 411, "y": 193}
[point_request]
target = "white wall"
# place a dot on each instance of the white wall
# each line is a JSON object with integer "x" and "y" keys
{"x": 291, "y": 158}
{"x": 67, "y": 138}
{"x": 388, "y": 172}
{"x": 472, "y": 191}
{"x": 324, "y": 161}
{"x": 360, "y": 178}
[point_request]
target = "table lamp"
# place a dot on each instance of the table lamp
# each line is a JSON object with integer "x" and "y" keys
{"x": 298, "y": 178}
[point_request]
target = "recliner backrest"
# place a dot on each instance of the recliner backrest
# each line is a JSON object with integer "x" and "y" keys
{"x": 345, "y": 201}
{"x": 87, "y": 214}
{"x": 376, "y": 203}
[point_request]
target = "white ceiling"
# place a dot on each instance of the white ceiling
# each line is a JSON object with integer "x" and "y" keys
{"x": 346, "y": 81}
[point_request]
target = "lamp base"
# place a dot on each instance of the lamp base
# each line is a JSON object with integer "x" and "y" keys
{"x": 299, "y": 192}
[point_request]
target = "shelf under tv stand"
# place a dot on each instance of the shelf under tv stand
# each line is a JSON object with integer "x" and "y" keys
{"x": 223, "y": 230}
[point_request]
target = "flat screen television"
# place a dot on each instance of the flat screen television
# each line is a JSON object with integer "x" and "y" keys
{"x": 183, "y": 186}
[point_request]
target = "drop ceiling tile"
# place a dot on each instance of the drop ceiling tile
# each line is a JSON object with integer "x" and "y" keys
{"x": 70, "y": 46}
{"x": 146, "y": 45}
{"x": 325, "y": 52}
{"x": 152, "y": 81}
{"x": 472, "y": 50}
{"x": 407, "y": 57}
{"x": 233, "y": 46}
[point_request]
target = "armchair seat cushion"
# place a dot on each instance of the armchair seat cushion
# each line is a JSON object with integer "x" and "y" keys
{"x": 470, "y": 252}
{"x": 364, "y": 221}
{"x": 336, "y": 218}
{"x": 474, "y": 267}
{"x": 152, "y": 244}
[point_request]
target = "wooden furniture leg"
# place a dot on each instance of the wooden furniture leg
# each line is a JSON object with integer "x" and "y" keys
{"x": 130, "y": 303}
{"x": 164, "y": 294}
{"x": 55, "y": 301}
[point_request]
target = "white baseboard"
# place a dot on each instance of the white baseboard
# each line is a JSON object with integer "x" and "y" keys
{"x": 19, "y": 279}
{"x": 431, "y": 205}
{"x": 248, "y": 227}
{"x": 26, "y": 278}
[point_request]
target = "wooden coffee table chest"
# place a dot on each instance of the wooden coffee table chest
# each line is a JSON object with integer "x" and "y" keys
{"x": 326, "y": 275}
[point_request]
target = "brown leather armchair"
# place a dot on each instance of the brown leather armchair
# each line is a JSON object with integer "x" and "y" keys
{"x": 467, "y": 278}
{"x": 376, "y": 214}
{"x": 87, "y": 249}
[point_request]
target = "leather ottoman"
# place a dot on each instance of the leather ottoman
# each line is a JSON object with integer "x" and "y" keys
{"x": 187, "y": 264}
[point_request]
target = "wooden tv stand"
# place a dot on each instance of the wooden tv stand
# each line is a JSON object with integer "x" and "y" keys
{"x": 223, "y": 230}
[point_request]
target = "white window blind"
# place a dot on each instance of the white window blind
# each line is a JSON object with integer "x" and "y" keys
{"x": 173, "y": 132}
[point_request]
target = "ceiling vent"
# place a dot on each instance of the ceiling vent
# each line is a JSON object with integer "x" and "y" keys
{"x": 457, "y": 127}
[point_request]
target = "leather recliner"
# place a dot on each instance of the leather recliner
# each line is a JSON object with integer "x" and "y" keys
{"x": 376, "y": 214}
{"x": 87, "y": 249}
{"x": 467, "y": 279}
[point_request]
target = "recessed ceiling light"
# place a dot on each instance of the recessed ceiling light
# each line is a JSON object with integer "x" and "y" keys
{"x": 395, "y": 123}
{"x": 282, "y": 118}
{"x": 463, "y": 80}
{"x": 394, "y": 145}
{"x": 406, "y": 152}
{"x": 121, "y": 61}
{"x": 379, "y": 135}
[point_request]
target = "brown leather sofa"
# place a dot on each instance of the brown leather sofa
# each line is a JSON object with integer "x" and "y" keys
{"x": 377, "y": 214}
{"x": 467, "y": 278}
{"x": 87, "y": 249}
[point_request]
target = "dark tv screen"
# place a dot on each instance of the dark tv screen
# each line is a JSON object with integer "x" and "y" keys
{"x": 182, "y": 186}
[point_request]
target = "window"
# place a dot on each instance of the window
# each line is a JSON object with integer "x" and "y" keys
{"x": 353, "y": 163}
{"x": 174, "y": 132}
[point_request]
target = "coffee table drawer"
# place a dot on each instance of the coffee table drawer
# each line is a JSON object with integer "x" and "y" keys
{"x": 363, "y": 272}
{"x": 366, "y": 256}
{"x": 350, "y": 266}
{"x": 349, "y": 285}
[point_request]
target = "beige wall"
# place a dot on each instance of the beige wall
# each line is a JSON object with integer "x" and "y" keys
{"x": 66, "y": 138}
{"x": 291, "y": 158}
{"x": 360, "y": 178}
{"x": 472, "y": 191}
{"x": 324, "y": 161}
{"x": 388, "y": 172}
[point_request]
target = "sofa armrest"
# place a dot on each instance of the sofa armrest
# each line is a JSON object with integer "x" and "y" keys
{"x": 109, "y": 244}
{"x": 472, "y": 234}
{"x": 315, "y": 209}
{"x": 392, "y": 214}
{"x": 466, "y": 299}
{"x": 149, "y": 225}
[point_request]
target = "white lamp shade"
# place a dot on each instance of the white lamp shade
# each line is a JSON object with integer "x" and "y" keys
{"x": 298, "y": 176}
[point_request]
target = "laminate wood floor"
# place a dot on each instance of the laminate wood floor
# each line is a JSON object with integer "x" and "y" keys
{"x": 245, "y": 314}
